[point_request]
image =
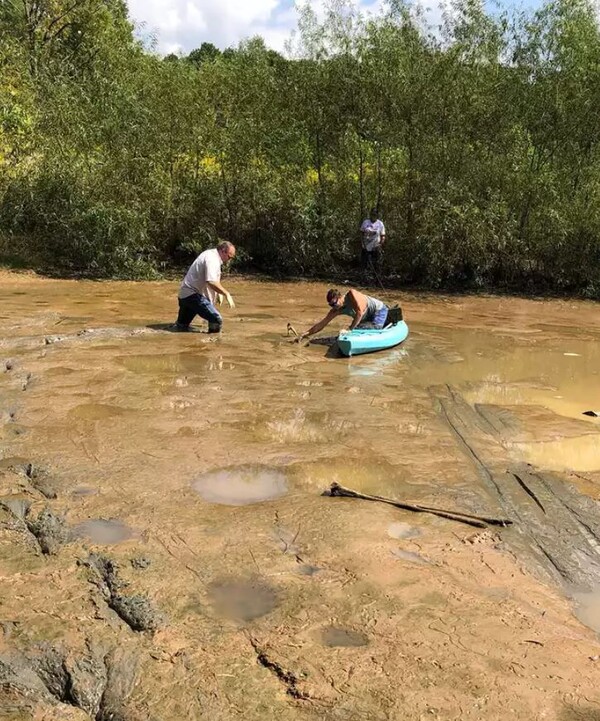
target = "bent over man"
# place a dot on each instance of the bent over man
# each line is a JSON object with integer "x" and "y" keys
{"x": 202, "y": 285}
{"x": 366, "y": 312}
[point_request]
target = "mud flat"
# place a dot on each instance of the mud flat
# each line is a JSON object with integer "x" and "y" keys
{"x": 166, "y": 551}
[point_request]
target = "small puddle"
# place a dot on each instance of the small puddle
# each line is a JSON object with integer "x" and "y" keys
{"x": 103, "y": 531}
{"x": 402, "y": 530}
{"x": 307, "y": 570}
{"x": 241, "y": 485}
{"x": 242, "y": 599}
{"x": 96, "y": 411}
{"x": 81, "y": 491}
{"x": 410, "y": 556}
{"x": 343, "y": 637}
{"x": 587, "y": 607}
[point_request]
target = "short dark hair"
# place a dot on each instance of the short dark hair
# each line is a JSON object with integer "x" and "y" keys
{"x": 333, "y": 294}
{"x": 374, "y": 211}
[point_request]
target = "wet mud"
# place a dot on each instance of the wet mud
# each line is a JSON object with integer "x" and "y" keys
{"x": 166, "y": 551}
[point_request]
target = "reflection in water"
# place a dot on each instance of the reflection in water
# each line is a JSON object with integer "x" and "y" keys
{"x": 241, "y": 485}
{"x": 376, "y": 363}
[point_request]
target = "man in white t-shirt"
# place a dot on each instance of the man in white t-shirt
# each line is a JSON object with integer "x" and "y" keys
{"x": 373, "y": 239}
{"x": 201, "y": 287}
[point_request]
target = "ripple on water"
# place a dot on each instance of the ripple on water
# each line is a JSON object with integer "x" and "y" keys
{"x": 103, "y": 531}
{"x": 242, "y": 599}
{"x": 241, "y": 485}
{"x": 343, "y": 637}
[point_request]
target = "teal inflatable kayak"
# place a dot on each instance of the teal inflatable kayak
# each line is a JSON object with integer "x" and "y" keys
{"x": 369, "y": 340}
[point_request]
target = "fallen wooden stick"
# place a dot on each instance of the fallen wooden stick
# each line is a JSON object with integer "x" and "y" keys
{"x": 468, "y": 518}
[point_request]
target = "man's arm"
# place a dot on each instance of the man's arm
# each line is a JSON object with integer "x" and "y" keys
{"x": 382, "y": 234}
{"x": 216, "y": 286}
{"x": 334, "y": 312}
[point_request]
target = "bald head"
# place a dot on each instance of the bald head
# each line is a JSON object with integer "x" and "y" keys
{"x": 226, "y": 250}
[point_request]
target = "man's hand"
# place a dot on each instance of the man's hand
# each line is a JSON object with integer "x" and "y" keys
{"x": 229, "y": 299}
{"x": 219, "y": 298}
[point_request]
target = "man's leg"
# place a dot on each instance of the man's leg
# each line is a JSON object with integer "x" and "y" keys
{"x": 207, "y": 310}
{"x": 186, "y": 313}
{"x": 364, "y": 259}
{"x": 376, "y": 259}
{"x": 380, "y": 317}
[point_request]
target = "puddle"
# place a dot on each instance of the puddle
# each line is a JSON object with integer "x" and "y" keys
{"x": 81, "y": 491}
{"x": 241, "y": 485}
{"x": 587, "y": 608}
{"x": 103, "y": 532}
{"x": 307, "y": 570}
{"x": 342, "y": 637}
{"x": 402, "y": 530}
{"x": 410, "y": 556}
{"x": 242, "y": 599}
{"x": 96, "y": 411}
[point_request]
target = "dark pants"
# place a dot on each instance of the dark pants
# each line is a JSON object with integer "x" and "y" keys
{"x": 371, "y": 259}
{"x": 195, "y": 305}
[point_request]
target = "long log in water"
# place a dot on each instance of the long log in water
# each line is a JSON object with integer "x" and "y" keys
{"x": 468, "y": 518}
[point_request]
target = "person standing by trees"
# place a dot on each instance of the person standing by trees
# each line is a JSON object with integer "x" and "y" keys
{"x": 373, "y": 239}
{"x": 201, "y": 286}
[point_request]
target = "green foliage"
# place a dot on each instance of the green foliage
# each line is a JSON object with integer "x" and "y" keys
{"x": 479, "y": 142}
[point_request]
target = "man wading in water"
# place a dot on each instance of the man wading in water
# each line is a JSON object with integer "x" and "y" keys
{"x": 202, "y": 285}
{"x": 366, "y": 312}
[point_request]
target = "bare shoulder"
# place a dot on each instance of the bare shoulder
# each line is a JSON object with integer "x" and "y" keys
{"x": 356, "y": 294}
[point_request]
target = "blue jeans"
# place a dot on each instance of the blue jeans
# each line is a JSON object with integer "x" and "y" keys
{"x": 377, "y": 321}
{"x": 195, "y": 305}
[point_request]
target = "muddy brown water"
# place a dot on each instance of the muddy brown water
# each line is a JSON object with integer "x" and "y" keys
{"x": 213, "y": 452}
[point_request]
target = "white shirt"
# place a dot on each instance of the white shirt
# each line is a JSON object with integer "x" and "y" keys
{"x": 372, "y": 233}
{"x": 206, "y": 268}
